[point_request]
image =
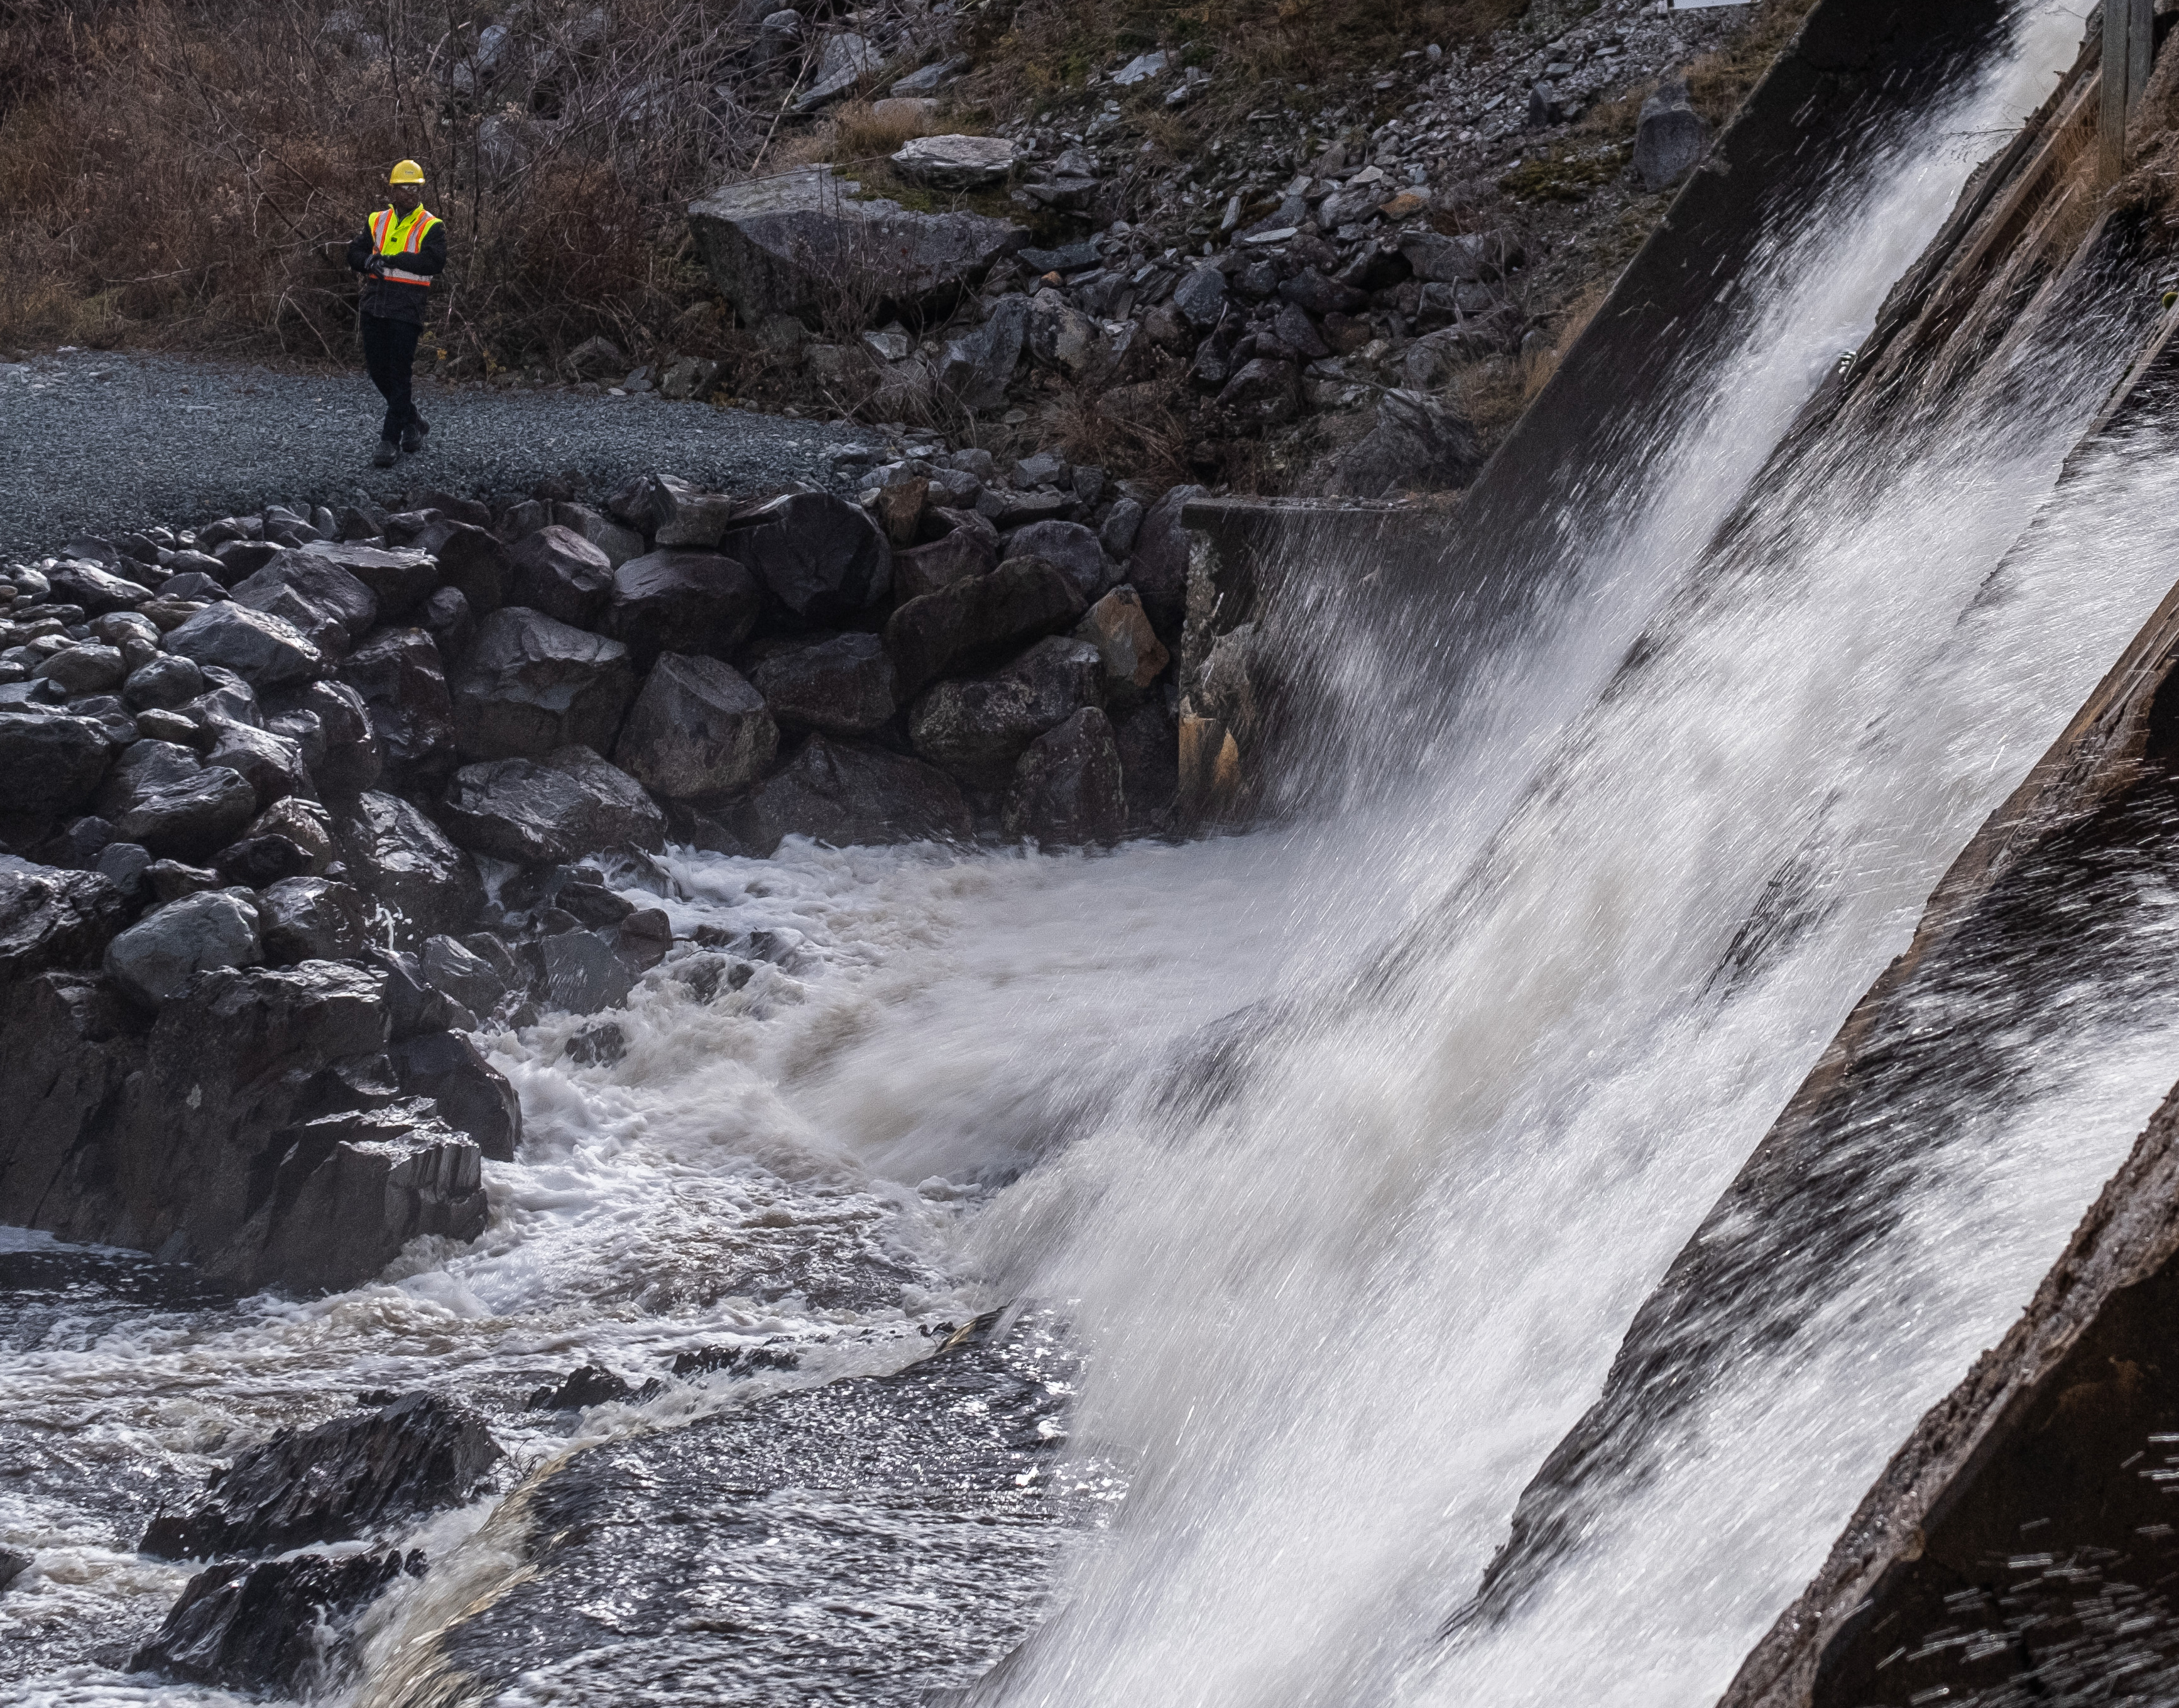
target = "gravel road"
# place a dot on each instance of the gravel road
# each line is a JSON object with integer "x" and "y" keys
{"x": 91, "y": 442}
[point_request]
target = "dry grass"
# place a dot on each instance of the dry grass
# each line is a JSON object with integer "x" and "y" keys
{"x": 1718, "y": 82}
{"x": 167, "y": 179}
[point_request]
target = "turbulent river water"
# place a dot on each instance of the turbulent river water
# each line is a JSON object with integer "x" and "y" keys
{"x": 1330, "y": 1162}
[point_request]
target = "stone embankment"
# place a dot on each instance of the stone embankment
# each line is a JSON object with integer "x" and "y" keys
{"x": 294, "y": 804}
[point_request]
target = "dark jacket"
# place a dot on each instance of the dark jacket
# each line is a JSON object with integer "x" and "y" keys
{"x": 397, "y": 302}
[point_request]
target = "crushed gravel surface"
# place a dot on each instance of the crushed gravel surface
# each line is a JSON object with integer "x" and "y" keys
{"x": 97, "y": 443}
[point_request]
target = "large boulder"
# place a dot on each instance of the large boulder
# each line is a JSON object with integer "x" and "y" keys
{"x": 53, "y": 918}
{"x": 531, "y": 685}
{"x": 310, "y": 919}
{"x": 325, "y": 603}
{"x": 978, "y": 366}
{"x": 399, "y": 579}
{"x": 401, "y": 859}
{"x": 1158, "y": 571}
{"x": 567, "y": 804}
{"x": 847, "y": 794}
{"x": 471, "y": 560}
{"x": 844, "y": 685}
{"x": 957, "y": 162}
{"x": 1119, "y": 628}
{"x": 270, "y": 762}
{"x": 1069, "y": 545}
{"x": 263, "y": 649}
{"x": 348, "y": 759}
{"x": 350, "y": 1475}
{"x": 559, "y": 573}
{"x": 188, "y": 813}
{"x": 74, "y": 1044}
{"x": 50, "y": 765}
{"x": 1670, "y": 137}
{"x": 472, "y": 1096}
{"x": 1068, "y": 788}
{"x": 1418, "y": 445}
{"x": 792, "y": 242}
{"x": 964, "y": 552}
{"x": 675, "y": 513}
{"x": 1148, "y": 743}
{"x": 976, "y": 730}
{"x": 821, "y": 557}
{"x": 403, "y": 682}
{"x": 976, "y": 623}
{"x": 683, "y": 601}
{"x": 162, "y": 683}
{"x": 264, "y": 1625}
{"x": 156, "y": 958}
{"x": 97, "y": 590}
{"x": 698, "y": 730}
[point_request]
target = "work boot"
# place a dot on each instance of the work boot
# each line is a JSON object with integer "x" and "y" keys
{"x": 412, "y": 436}
{"x": 386, "y": 452}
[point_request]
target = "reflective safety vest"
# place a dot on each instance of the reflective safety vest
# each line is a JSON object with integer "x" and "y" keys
{"x": 401, "y": 237}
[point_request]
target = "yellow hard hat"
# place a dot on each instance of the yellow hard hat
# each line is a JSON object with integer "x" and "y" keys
{"x": 407, "y": 172}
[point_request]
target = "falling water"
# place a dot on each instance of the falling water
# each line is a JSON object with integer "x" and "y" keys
{"x": 1346, "y": 1149}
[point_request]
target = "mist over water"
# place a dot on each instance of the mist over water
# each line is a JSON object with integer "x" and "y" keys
{"x": 1346, "y": 1148}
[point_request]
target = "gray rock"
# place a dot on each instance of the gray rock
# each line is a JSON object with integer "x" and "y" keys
{"x": 1121, "y": 630}
{"x": 1158, "y": 571}
{"x": 155, "y": 958}
{"x": 471, "y": 559}
{"x": 978, "y": 366}
{"x": 581, "y": 973}
{"x": 447, "y": 619}
{"x": 1670, "y": 138}
{"x": 191, "y": 817}
{"x": 1061, "y": 336}
{"x": 270, "y": 763}
{"x": 310, "y": 919}
{"x": 974, "y": 623}
{"x": 50, "y": 764}
{"x": 84, "y": 669}
{"x": 1068, "y": 788}
{"x": 697, "y": 730}
{"x": 976, "y": 730}
{"x": 1125, "y": 521}
{"x": 531, "y": 685}
{"x": 843, "y": 60}
{"x": 1454, "y": 260}
{"x": 619, "y": 543}
{"x": 849, "y": 795}
{"x": 397, "y": 856}
{"x": 821, "y": 557}
{"x": 683, "y": 601}
{"x": 1200, "y": 297}
{"x": 352, "y": 760}
{"x": 559, "y": 573}
{"x": 1263, "y": 393}
{"x": 595, "y": 358}
{"x": 261, "y": 1626}
{"x": 844, "y": 685}
{"x": 471, "y": 1095}
{"x": 263, "y": 649}
{"x": 1070, "y": 545}
{"x": 403, "y": 685}
{"x": 1148, "y": 744}
{"x": 13, "y": 1562}
{"x": 1418, "y": 445}
{"x": 792, "y": 241}
{"x": 54, "y": 918}
{"x": 122, "y": 864}
{"x": 327, "y": 604}
{"x": 170, "y": 880}
{"x": 97, "y": 590}
{"x": 960, "y": 554}
{"x": 957, "y": 162}
{"x": 456, "y": 970}
{"x": 399, "y": 580}
{"x": 570, "y": 804}
{"x": 167, "y": 681}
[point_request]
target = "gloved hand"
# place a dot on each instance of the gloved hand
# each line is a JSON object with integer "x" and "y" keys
{"x": 373, "y": 267}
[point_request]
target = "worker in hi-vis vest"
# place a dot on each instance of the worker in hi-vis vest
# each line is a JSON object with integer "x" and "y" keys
{"x": 398, "y": 257}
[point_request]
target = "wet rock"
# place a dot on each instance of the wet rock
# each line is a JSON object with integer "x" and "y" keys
{"x": 821, "y": 557}
{"x": 306, "y": 824}
{"x": 843, "y": 686}
{"x": 402, "y": 682}
{"x": 413, "y": 1005}
{"x": 1158, "y": 571}
{"x": 472, "y": 561}
{"x": 779, "y": 245}
{"x": 847, "y": 794}
{"x": 51, "y": 765}
{"x": 447, "y": 619}
{"x": 325, "y": 603}
{"x": 569, "y": 804}
{"x": 353, "y": 759}
{"x": 350, "y": 1475}
{"x": 13, "y": 1562}
{"x": 735, "y": 1360}
{"x": 956, "y": 162}
{"x": 1068, "y": 788}
{"x": 559, "y": 573}
{"x": 619, "y": 543}
{"x": 581, "y": 973}
{"x": 698, "y": 730}
{"x": 456, "y": 970}
{"x": 170, "y": 880}
{"x": 977, "y": 367}
{"x": 83, "y": 670}
{"x": 682, "y": 601}
{"x": 97, "y": 590}
{"x": 1418, "y": 445}
{"x": 122, "y": 864}
{"x": 398, "y": 855}
{"x": 1670, "y": 138}
{"x": 531, "y": 685}
{"x": 471, "y": 1095}
{"x": 256, "y": 861}
{"x": 1116, "y": 625}
{"x": 165, "y": 682}
{"x": 264, "y": 1626}
{"x": 263, "y": 649}
{"x": 975, "y": 622}
{"x": 304, "y": 918}
{"x": 976, "y": 730}
{"x": 592, "y": 1385}
{"x": 1148, "y": 744}
{"x": 156, "y": 958}
{"x": 963, "y": 553}
{"x": 270, "y": 763}
{"x": 52, "y": 918}
{"x": 189, "y": 817}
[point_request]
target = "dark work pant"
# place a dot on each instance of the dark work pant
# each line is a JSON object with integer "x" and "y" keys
{"x": 389, "y": 352}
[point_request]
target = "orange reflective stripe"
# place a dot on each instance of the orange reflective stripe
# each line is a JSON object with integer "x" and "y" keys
{"x": 406, "y": 278}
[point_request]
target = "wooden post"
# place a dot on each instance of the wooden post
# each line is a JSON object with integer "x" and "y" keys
{"x": 2129, "y": 32}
